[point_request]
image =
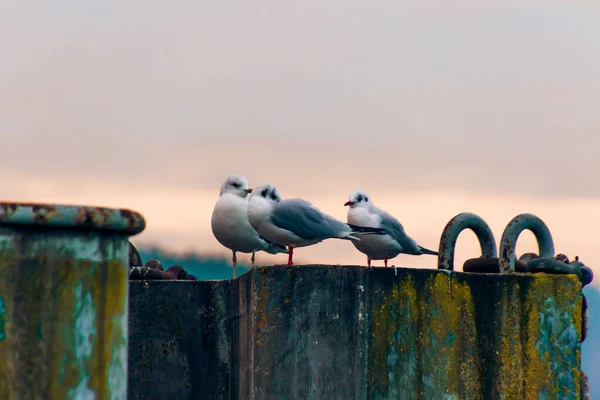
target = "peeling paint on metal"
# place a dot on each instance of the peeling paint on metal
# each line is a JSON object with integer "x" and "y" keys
{"x": 2, "y": 319}
{"x": 63, "y": 216}
{"x": 85, "y": 336}
{"x": 117, "y": 369}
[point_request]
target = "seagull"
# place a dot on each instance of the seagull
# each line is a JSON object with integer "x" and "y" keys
{"x": 296, "y": 222}
{"x": 230, "y": 224}
{"x": 362, "y": 212}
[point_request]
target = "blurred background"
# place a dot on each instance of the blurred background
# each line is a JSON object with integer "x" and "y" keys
{"x": 432, "y": 108}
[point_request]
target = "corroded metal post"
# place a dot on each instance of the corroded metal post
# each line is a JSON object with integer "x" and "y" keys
{"x": 63, "y": 301}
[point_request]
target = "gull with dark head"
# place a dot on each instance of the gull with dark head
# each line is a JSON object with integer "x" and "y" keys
{"x": 230, "y": 224}
{"x": 362, "y": 212}
{"x": 296, "y": 222}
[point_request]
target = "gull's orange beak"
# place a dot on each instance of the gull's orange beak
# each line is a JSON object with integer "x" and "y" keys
{"x": 249, "y": 190}
{"x": 348, "y": 203}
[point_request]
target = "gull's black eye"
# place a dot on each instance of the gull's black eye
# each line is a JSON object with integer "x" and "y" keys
{"x": 366, "y": 199}
{"x": 236, "y": 185}
{"x": 273, "y": 196}
{"x": 264, "y": 192}
{"x": 358, "y": 198}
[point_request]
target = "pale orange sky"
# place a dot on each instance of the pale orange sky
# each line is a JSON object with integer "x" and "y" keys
{"x": 433, "y": 108}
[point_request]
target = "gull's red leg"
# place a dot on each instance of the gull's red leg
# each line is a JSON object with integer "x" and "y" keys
{"x": 291, "y": 250}
{"x": 385, "y": 261}
{"x": 368, "y": 261}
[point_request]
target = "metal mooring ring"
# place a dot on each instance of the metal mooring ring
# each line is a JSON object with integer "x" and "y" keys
{"x": 450, "y": 234}
{"x": 508, "y": 243}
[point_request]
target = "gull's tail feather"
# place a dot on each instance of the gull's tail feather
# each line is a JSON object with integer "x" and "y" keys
{"x": 427, "y": 251}
{"x": 274, "y": 248}
{"x": 366, "y": 230}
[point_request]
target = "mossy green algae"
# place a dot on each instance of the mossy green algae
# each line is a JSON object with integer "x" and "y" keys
{"x": 66, "y": 305}
{"x": 440, "y": 335}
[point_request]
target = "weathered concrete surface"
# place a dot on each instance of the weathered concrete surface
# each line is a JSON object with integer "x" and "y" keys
{"x": 310, "y": 333}
{"x": 180, "y": 339}
{"x": 63, "y": 315}
{"x": 327, "y": 332}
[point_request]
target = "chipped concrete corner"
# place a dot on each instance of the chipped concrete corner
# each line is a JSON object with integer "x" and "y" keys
{"x": 351, "y": 332}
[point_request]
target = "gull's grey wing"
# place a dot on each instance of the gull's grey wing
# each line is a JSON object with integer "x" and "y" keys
{"x": 394, "y": 228}
{"x": 273, "y": 248}
{"x": 304, "y": 220}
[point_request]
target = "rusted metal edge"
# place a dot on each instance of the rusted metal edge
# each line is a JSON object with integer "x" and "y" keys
{"x": 71, "y": 217}
{"x": 450, "y": 234}
{"x": 511, "y": 233}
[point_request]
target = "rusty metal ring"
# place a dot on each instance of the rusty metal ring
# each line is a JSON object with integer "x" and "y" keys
{"x": 52, "y": 216}
{"x": 508, "y": 243}
{"x": 450, "y": 234}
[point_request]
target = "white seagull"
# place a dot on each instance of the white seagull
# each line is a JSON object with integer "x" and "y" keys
{"x": 230, "y": 224}
{"x": 296, "y": 222}
{"x": 362, "y": 212}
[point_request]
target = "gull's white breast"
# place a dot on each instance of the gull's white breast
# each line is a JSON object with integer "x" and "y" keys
{"x": 231, "y": 227}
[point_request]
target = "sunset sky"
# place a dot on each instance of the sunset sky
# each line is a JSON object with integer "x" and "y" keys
{"x": 432, "y": 108}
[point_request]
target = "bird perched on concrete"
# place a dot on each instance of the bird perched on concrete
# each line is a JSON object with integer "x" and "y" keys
{"x": 296, "y": 222}
{"x": 230, "y": 224}
{"x": 362, "y": 212}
